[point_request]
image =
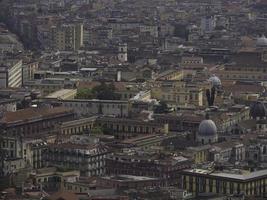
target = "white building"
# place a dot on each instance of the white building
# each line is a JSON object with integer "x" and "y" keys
{"x": 95, "y": 106}
{"x": 11, "y": 74}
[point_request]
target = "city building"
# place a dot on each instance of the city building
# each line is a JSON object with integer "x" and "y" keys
{"x": 34, "y": 122}
{"x": 82, "y": 153}
{"x": 165, "y": 168}
{"x": 89, "y": 107}
{"x": 28, "y": 70}
{"x": 200, "y": 181}
{"x": 128, "y": 181}
{"x": 78, "y": 126}
{"x": 26, "y": 150}
{"x": 66, "y": 37}
{"x": 11, "y": 74}
{"x": 208, "y": 24}
{"x": 50, "y": 85}
{"x": 178, "y": 93}
{"x": 126, "y": 127}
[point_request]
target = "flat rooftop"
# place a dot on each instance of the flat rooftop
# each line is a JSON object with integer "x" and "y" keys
{"x": 238, "y": 175}
{"x": 127, "y": 178}
{"x": 60, "y": 93}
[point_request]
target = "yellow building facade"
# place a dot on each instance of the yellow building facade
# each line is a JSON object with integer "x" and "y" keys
{"x": 178, "y": 93}
{"x": 202, "y": 181}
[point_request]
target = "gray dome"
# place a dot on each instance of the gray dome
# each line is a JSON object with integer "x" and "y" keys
{"x": 262, "y": 41}
{"x": 257, "y": 109}
{"x": 207, "y": 128}
{"x": 215, "y": 81}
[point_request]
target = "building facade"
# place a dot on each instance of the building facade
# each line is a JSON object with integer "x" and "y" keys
{"x": 78, "y": 126}
{"x": 102, "y": 107}
{"x": 11, "y": 74}
{"x": 31, "y": 122}
{"x": 178, "y": 93}
{"x": 126, "y": 128}
{"x": 89, "y": 159}
{"x": 202, "y": 181}
{"x": 165, "y": 168}
{"x": 66, "y": 37}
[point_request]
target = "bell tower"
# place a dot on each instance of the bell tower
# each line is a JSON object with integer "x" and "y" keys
{"x": 122, "y": 53}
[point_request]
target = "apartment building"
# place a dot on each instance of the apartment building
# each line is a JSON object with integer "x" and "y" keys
{"x": 66, "y": 37}
{"x": 95, "y": 106}
{"x": 80, "y": 153}
{"x": 178, "y": 93}
{"x": 200, "y": 181}
{"x": 11, "y": 74}
{"x": 32, "y": 122}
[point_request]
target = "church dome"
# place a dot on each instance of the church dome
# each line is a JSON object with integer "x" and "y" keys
{"x": 215, "y": 81}
{"x": 262, "y": 41}
{"x": 257, "y": 110}
{"x": 207, "y": 128}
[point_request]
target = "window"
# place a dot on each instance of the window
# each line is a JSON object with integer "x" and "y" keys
{"x": 231, "y": 188}
{"x": 210, "y": 185}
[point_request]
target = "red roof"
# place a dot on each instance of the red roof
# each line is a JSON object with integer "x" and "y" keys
{"x": 32, "y": 113}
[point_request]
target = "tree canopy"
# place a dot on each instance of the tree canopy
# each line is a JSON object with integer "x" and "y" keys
{"x": 84, "y": 93}
{"x": 97, "y": 130}
{"x": 103, "y": 92}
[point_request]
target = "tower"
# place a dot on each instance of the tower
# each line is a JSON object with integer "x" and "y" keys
{"x": 122, "y": 55}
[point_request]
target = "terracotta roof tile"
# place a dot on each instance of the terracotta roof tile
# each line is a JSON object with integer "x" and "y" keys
{"x": 63, "y": 195}
{"x": 32, "y": 113}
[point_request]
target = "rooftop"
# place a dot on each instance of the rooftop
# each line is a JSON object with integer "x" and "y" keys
{"x": 234, "y": 174}
{"x": 32, "y": 114}
{"x": 61, "y": 93}
{"x": 127, "y": 178}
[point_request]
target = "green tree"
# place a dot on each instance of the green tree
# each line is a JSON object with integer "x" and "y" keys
{"x": 105, "y": 92}
{"x": 97, "y": 130}
{"x": 84, "y": 93}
